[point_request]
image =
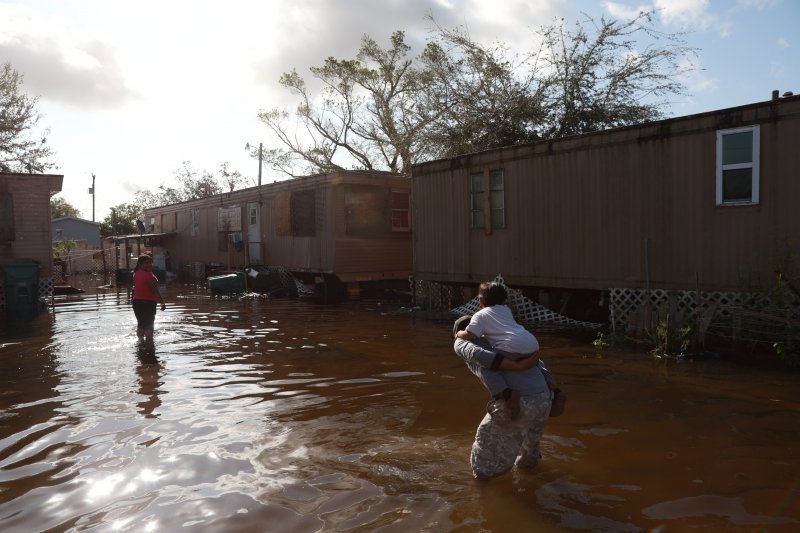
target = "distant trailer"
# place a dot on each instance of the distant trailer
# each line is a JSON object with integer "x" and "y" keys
{"x": 351, "y": 225}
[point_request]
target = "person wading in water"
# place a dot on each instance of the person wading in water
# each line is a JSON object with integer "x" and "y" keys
{"x": 145, "y": 297}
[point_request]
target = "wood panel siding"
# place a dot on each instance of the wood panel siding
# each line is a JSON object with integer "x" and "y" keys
{"x": 619, "y": 208}
{"x": 304, "y": 221}
{"x": 31, "y": 238}
{"x": 362, "y": 260}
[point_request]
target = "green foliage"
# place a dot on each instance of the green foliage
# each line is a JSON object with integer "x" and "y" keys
{"x": 491, "y": 98}
{"x": 62, "y": 249}
{"x": 610, "y": 340}
{"x": 19, "y": 151}
{"x": 671, "y": 339}
{"x": 601, "y": 341}
{"x": 601, "y": 74}
{"x": 61, "y": 208}
{"x": 773, "y": 321}
{"x": 121, "y": 220}
{"x": 789, "y": 351}
{"x": 784, "y": 295}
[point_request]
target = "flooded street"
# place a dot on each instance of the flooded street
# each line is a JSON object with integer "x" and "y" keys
{"x": 285, "y": 415}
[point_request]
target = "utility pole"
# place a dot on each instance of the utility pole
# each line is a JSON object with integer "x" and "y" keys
{"x": 260, "y": 158}
{"x": 91, "y": 191}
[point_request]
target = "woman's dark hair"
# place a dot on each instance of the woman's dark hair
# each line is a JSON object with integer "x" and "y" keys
{"x": 142, "y": 259}
{"x": 492, "y": 293}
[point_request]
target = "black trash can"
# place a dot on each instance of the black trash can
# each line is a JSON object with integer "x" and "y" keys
{"x": 22, "y": 288}
{"x": 262, "y": 279}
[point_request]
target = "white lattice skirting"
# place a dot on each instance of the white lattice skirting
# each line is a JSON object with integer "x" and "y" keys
{"x": 689, "y": 305}
{"x": 526, "y": 311}
{"x": 45, "y": 288}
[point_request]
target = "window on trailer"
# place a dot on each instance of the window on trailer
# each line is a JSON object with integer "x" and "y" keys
{"x": 491, "y": 194}
{"x": 400, "y": 211}
{"x": 497, "y": 199}
{"x": 738, "y": 166}
{"x": 476, "y": 200}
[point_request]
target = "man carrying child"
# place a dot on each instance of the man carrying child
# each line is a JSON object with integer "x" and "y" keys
{"x": 503, "y": 355}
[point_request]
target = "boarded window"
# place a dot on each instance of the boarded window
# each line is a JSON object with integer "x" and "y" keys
{"x": 7, "y": 231}
{"x": 229, "y": 218}
{"x": 366, "y": 213}
{"x": 169, "y": 221}
{"x": 401, "y": 221}
{"x": 280, "y": 213}
{"x": 303, "y": 213}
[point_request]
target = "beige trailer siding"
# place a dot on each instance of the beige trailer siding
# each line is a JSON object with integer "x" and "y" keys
{"x": 617, "y": 208}
{"x": 27, "y": 231}
{"x": 305, "y": 224}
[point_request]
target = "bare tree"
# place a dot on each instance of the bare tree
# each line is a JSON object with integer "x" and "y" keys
{"x": 369, "y": 114}
{"x": 230, "y": 179}
{"x": 191, "y": 185}
{"x": 387, "y": 110}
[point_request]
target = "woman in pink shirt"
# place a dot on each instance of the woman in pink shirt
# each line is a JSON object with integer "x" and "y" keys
{"x": 145, "y": 296}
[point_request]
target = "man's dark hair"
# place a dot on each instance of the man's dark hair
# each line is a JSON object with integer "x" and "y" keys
{"x": 492, "y": 293}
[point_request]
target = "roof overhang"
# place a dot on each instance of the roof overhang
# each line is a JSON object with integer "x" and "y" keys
{"x": 146, "y": 238}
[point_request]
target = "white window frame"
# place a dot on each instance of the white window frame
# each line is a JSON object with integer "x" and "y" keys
{"x": 754, "y": 165}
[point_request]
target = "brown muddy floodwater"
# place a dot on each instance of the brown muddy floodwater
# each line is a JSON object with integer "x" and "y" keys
{"x": 285, "y": 415}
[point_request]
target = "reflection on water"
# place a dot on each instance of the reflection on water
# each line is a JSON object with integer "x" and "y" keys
{"x": 293, "y": 416}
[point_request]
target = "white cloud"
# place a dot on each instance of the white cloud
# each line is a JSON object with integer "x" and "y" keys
{"x": 758, "y": 4}
{"x": 696, "y": 79}
{"x": 621, "y": 11}
{"x": 694, "y": 15}
{"x": 59, "y": 65}
{"x": 685, "y": 13}
{"x": 204, "y": 69}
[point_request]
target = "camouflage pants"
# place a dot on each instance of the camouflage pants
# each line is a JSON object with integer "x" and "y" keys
{"x": 501, "y": 442}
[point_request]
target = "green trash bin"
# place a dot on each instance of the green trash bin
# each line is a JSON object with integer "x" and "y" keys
{"x": 229, "y": 283}
{"x": 22, "y": 288}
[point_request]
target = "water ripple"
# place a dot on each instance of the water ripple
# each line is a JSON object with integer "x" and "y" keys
{"x": 349, "y": 418}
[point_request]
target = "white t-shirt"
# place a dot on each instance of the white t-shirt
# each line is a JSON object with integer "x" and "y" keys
{"x": 497, "y": 324}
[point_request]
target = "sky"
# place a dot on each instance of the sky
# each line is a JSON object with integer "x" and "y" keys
{"x": 130, "y": 90}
